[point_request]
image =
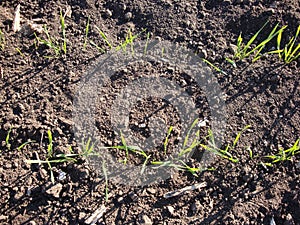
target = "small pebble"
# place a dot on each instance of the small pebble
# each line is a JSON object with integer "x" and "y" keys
{"x": 171, "y": 210}
{"x": 145, "y": 220}
{"x": 108, "y": 13}
{"x": 128, "y": 16}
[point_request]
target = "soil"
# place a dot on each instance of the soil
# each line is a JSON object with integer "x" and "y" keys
{"x": 37, "y": 95}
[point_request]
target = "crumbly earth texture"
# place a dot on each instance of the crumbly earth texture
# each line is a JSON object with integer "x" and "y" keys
{"x": 37, "y": 94}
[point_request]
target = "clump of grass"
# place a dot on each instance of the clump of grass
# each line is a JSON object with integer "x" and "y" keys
{"x": 2, "y": 41}
{"x": 283, "y": 154}
{"x": 133, "y": 149}
{"x": 55, "y": 45}
{"x": 226, "y": 152}
{"x": 245, "y": 50}
{"x": 52, "y": 158}
{"x": 290, "y": 52}
{"x": 177, "y": 162}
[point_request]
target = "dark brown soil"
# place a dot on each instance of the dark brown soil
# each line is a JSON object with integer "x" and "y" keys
{"x": 37, "y": 95}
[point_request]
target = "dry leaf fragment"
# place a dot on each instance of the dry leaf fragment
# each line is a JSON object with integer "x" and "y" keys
{"x": 185, "y": 189}
{"x": 95, "y": 216}
{"x": 17, "y": 20}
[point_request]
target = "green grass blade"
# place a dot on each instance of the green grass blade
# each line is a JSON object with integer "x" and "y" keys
{"x": 87, "y": 28}
{"x": 167, "y": 139}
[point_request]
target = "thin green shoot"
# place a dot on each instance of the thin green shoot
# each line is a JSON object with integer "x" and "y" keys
{"x": 7, "y": 143}
{"x": 244, "y": 50}
{"x": 189, "y": 132}
{"x": 129, "y": 39}
{"x": 104, "y": 170}
{"x": 2, "y": 41}
{"x": 226, "y": 152}
{"x": 101, "y": 50}
{"x": 284, "y": 155}
{"x": 125, "y": 146}
{"x": 87, "y": 28}
{"x": 50, "y": 144}
{"x": 250, "y": 152}
{"x": 289, "y": 53}
{"x": 24, "y": 144}
{"x": 167, "y": 139}
{"x": 213, "y": 66}
{"x": 104, "y": 38}
{"x": 147, "y": 42}
{"x": 49, "y": 42}
{"x": 162, "y": 51}
{"x": 20, "y": 52}
{"x": 232, "y": 62}
{"x": 63, "y": 29}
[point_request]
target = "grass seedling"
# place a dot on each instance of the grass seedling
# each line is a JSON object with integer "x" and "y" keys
{"x": 104, "y": 38}
{"x": 2, "y": 40}
{"x": 284, "y": 155}
{"x": 104, "y": 170}
{"x": 187, "y": 148}
{"x": 289, "y": 53}
{"x": 226, "y": 152}
{"x": 51, "y": 158}
{"x": 24, "y": 144}
{"x": 129, "y": 39}
{"x": 63, "y": 29}
{"x": 125, "y": 147}
{"x": 147, "y": 42}
{"x": 8, "y": 145}
{"x": 19, "y": 51}
{"x": 87, "y": 28}
{"x": 167, "y": 139}
{"x": 49, "y": 42}
{"x": 134, "y": 149}
{"x": 213, "y": 66}
{"x": 245, "y": 50}
{"x": 56, "y": 46}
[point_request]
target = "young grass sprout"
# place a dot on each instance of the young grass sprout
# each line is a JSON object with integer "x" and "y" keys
{"x": 87, "y": 28}
{"x": 63, "y": 29}
{"x": 226, "y": 152}
{"x": 283, "y": 155}
{"x": 2, "y": 41}
{"x": 245, "y": 50}
{"x": 7, "y": 143}
{"x": 290, "y": 51}
{"x": 55, "y": 45}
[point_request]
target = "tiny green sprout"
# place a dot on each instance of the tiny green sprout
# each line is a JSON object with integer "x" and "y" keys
{"x": 50, "y": 144}
{"x": 2, "y": 41}
{"x": 63, "y": 29}
{"x": 24, "y": 144}
{"x": 147, "y": 42}
{"x": 284, "y": 155}
{"x": 224, "y": 153}
{"x": 167, "y": 139}
{"x": 213, "y": 66}
{"x": 20, "y": 52}
{"x": 8, "y": 145}
{"x": 126, "y": 148}
{"x": 104, "y": 38}
{"x": 104, "y": 170}
{"x": 87, "y": 28}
